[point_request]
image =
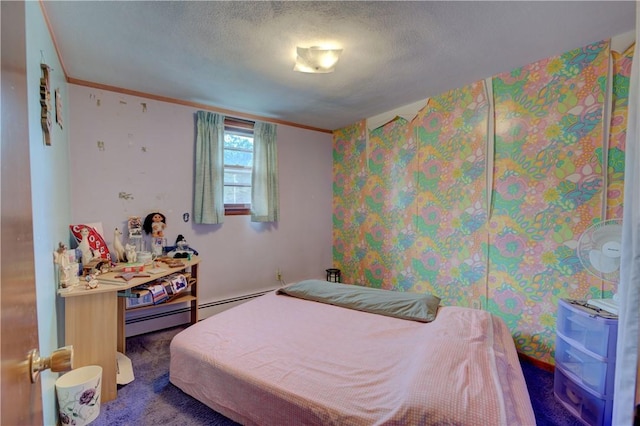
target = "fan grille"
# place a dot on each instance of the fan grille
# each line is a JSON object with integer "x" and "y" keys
{"x": 599, "y": 249}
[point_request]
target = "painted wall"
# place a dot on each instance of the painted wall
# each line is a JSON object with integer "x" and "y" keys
{"x": 50, "y": 192}
{"x": 483, "y": 208}
{"x": 133, "y": 156}
{"x": 149, "y": 156}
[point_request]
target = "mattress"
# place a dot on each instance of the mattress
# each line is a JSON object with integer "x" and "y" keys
{"x": 281, "y": 360}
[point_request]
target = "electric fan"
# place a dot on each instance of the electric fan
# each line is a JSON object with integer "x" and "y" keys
{"x": 599, "y": 250}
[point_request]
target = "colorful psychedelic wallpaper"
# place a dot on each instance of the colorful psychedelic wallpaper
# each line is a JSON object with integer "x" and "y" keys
{"x": 482, "y": 197}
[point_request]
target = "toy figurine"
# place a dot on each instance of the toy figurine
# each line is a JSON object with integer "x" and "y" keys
{"x": 61, "y": 258}
{"x": 181, "y": 243}
{"x": 132, "y": 256}
{"x": 154, "y": 224}
{"x": 91, "y": 281}
{"x": 85, "y": 248}
{"x": 182, "y": 249}
{"x": 117, "y": 245}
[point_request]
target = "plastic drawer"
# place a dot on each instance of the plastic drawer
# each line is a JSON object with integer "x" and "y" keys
{"x": 581, "y": 403}
{"x": 585, "y": 327}
{"x": 589, "y": 371}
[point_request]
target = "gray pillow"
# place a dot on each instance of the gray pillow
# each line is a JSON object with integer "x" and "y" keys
{"x": 409, "y": 306}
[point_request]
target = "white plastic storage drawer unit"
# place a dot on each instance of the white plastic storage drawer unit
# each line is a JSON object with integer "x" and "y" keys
{"x": 589, "y": 408}
{"x": 591, "y": 371}
{"x": 585, "y": 361}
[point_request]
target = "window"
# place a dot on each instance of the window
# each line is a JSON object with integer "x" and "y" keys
{"x": 238, "y": 165}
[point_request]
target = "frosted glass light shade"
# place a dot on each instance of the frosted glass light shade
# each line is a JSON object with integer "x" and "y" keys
{"x": 316, "y": 59}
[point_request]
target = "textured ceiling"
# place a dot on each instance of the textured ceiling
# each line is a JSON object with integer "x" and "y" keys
{"x": 239, "y": 56}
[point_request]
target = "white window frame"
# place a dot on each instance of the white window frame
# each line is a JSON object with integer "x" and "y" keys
{"x": 242, "y": 128}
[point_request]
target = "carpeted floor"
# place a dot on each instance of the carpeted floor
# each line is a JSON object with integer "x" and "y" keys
{"x": 548, "y": 411}
{"x": 152, "y": 400}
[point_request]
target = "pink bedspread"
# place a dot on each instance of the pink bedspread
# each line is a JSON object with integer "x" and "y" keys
{"x": 279, "y": 360}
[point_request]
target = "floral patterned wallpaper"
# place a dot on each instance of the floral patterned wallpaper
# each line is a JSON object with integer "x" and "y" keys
{"x": 486, "y": 219}
{"x": 618, "y": 131}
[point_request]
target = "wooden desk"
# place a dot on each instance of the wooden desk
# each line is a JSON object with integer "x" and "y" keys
{"x": 188, "y": 296}
{"x": 94, "y": 320}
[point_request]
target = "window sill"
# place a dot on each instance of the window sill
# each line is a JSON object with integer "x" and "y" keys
{"x": 237, "y": 212}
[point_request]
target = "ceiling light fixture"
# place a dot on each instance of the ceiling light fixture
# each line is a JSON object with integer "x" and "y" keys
{"x": 316, "y": 59}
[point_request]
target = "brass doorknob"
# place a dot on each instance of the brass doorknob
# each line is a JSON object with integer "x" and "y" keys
{"x": 60, "y": 360}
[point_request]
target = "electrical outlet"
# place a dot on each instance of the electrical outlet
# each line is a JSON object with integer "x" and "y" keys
{"x": 278, "y": 275}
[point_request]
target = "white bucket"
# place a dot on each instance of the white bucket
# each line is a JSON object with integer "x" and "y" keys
{"x": 78, "y": 394}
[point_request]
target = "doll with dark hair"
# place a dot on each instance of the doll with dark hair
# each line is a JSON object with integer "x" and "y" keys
{"x": 154, "y": 224}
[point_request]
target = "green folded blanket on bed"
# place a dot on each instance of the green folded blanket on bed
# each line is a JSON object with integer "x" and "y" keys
{"x": 409, "y": 306}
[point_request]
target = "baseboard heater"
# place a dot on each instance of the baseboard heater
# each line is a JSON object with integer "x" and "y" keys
{"x": 156, "y": 320}
{"x": 232, "y": 300}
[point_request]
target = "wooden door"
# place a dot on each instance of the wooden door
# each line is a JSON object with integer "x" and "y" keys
{"x": 21, "y": 401}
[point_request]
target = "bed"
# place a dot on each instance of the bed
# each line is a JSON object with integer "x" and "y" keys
{"x": 282, "y": 359}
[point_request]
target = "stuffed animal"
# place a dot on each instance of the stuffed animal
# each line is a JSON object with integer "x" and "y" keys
{"x": 117, "y": 245}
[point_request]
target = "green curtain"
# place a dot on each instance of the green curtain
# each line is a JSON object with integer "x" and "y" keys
{"x": 264, "y": 179}
{"x": 208, "y": 204}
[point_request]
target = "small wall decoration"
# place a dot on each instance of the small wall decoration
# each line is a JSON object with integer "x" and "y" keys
{"x": 58, "y": 108}
{"x": 45, "y": 102}
{"x": 135, "y": 227}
